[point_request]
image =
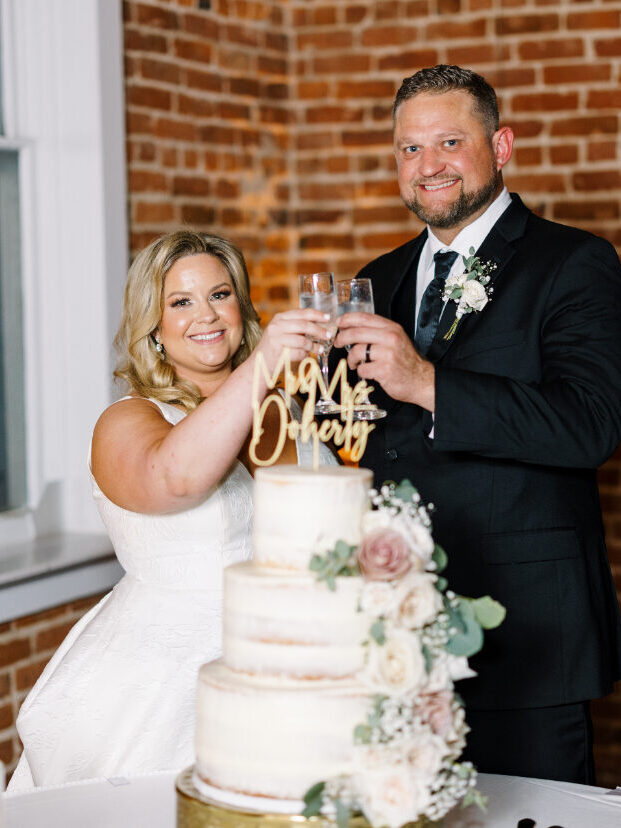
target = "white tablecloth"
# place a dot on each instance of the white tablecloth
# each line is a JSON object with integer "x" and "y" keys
{"x": 149, "y": 802}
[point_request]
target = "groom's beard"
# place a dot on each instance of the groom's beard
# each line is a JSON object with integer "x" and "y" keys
{"x": 466, "y": 205}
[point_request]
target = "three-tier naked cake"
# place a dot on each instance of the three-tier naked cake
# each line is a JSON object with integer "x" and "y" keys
{"x": 334, "y": 693}
{"x": 278, "y": 710}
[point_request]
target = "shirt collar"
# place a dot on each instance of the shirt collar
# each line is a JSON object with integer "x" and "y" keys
{"x": 473, "y": 234}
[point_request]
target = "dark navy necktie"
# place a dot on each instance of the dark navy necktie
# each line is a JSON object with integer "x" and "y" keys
{"x": 431, "y": 303}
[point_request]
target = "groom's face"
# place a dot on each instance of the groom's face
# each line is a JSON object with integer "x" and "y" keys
{"x": 447, "y": 163}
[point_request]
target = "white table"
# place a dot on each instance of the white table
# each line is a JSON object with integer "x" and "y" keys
{"x": 150, "y": 802}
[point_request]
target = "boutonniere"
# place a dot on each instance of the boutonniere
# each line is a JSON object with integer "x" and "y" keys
{"x": 469, "y": 290}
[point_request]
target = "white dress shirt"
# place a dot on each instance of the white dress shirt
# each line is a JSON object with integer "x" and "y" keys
{"x": 471, "y": 236}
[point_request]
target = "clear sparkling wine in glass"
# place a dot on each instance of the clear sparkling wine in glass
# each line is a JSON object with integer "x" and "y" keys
{"x": 356, "y": 296}
{"x": 317, "y": 291}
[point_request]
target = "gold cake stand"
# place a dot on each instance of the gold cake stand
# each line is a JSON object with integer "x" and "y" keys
{"x": 196, "y": 811}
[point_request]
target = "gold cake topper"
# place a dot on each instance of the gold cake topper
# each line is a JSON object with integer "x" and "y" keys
{"x": 343, "y": 431}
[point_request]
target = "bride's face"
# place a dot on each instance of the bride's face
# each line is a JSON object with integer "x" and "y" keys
{"x": 201, "y": 326}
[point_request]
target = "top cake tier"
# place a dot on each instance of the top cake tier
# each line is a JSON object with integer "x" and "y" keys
{"x": 299, "y": 511}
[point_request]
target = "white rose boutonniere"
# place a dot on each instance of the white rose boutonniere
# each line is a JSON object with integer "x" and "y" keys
{"x": 470, "y": 290}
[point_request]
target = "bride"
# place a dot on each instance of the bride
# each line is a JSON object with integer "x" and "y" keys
{"x": 172, "y": 479}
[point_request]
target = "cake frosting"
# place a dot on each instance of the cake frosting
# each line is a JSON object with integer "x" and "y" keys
{"x": 299, "y": 510}
{"x": 269, "y": 738}
{"x": 276, "y": 624}
{"x": 278, "y": 710}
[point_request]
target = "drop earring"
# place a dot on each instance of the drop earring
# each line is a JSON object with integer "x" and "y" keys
{"x": 160, "y": 349}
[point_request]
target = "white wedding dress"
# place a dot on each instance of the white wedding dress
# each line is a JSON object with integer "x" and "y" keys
{"x": 117, "y": 698}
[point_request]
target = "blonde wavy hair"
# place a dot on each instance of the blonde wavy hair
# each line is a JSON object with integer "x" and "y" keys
{"x": 139, "y": 364}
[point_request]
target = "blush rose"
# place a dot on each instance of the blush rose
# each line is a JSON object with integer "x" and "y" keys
{"x": 384, "y": 555}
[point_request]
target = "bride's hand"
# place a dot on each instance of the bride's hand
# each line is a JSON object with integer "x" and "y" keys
{"x": 295, "y": 330}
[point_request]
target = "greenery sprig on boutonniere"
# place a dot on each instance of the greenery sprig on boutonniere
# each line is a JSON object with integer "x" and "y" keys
{"x": 470, "y": 289}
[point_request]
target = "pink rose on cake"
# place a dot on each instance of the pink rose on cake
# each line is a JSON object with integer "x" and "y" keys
{"x": 437, "y": 710}
{"x": 397, "y": 666}
{"x": 417, "y": 536}
{"x": 384, "y": 555}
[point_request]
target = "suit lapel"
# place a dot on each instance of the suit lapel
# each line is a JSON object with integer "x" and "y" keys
{"x": 498, "y": 246}
{"x": 387, "y": 283}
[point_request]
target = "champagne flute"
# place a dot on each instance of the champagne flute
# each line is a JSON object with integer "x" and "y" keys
{"x": 356, "y": 296}
{"x": 317, "y": 291}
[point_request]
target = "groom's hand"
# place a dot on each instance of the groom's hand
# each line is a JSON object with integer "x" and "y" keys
{"x": 382, "y": 351}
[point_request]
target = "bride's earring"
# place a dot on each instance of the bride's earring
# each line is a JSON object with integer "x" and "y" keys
{"x": 160, "y": 349}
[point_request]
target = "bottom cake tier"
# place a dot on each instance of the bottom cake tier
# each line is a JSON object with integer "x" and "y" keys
{"x": 195, "y": 810}
{"x": 273, "y": 738}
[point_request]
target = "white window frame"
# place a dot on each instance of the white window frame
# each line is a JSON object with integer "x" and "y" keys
{"x": 64, "y": 111}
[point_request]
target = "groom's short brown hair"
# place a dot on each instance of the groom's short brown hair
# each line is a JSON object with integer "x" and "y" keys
{"x": 444, "y": 78}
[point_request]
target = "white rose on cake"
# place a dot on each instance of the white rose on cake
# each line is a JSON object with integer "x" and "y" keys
{"x": 425, "y": 752}
{"x": 419, "y": 602}
{"x": 378, "y": 598}
{"x": 396, "y": 667}
{"x": 392, "y": 796}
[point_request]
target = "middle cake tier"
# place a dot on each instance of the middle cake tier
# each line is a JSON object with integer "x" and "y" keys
{"x": 281, "y": 624}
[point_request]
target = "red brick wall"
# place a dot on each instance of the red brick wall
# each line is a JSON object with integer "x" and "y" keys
{"x": 269, "y": 121}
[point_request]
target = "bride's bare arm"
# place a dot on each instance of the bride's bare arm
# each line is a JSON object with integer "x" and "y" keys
{"x": 144, "y": 464}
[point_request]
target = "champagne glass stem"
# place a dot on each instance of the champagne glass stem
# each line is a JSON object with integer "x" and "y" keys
{"x": 323, "y": 364}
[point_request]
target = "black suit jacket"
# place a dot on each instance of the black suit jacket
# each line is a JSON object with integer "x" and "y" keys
{"x": 528, "y": 405}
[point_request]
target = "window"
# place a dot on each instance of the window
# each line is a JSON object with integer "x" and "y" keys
{"x": 63, "y": 258}
{"x": 12, "y": 411}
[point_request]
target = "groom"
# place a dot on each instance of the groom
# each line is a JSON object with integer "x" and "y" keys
{"x": 501, "y": 417}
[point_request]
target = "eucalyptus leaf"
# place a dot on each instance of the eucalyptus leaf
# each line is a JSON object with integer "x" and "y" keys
{"x": 455, "y": 618}
{"x": 428, "y": 658}
{"x": 342, "y": 814}
{"x": 316, "y": 563}
{"x": 440, "y": 558}
{"x": 375, "y": 717}
{"x": 405, "y": 490}
{"x": 468, "y": 641}
{"x": 314, "y": 791}
{"x": 313, "y": 807}
{"x": 343, "y": 550}
{"x": 362, "y": 734}
{"x": 377, "y": 631}
{"x": 489, "y": 613}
